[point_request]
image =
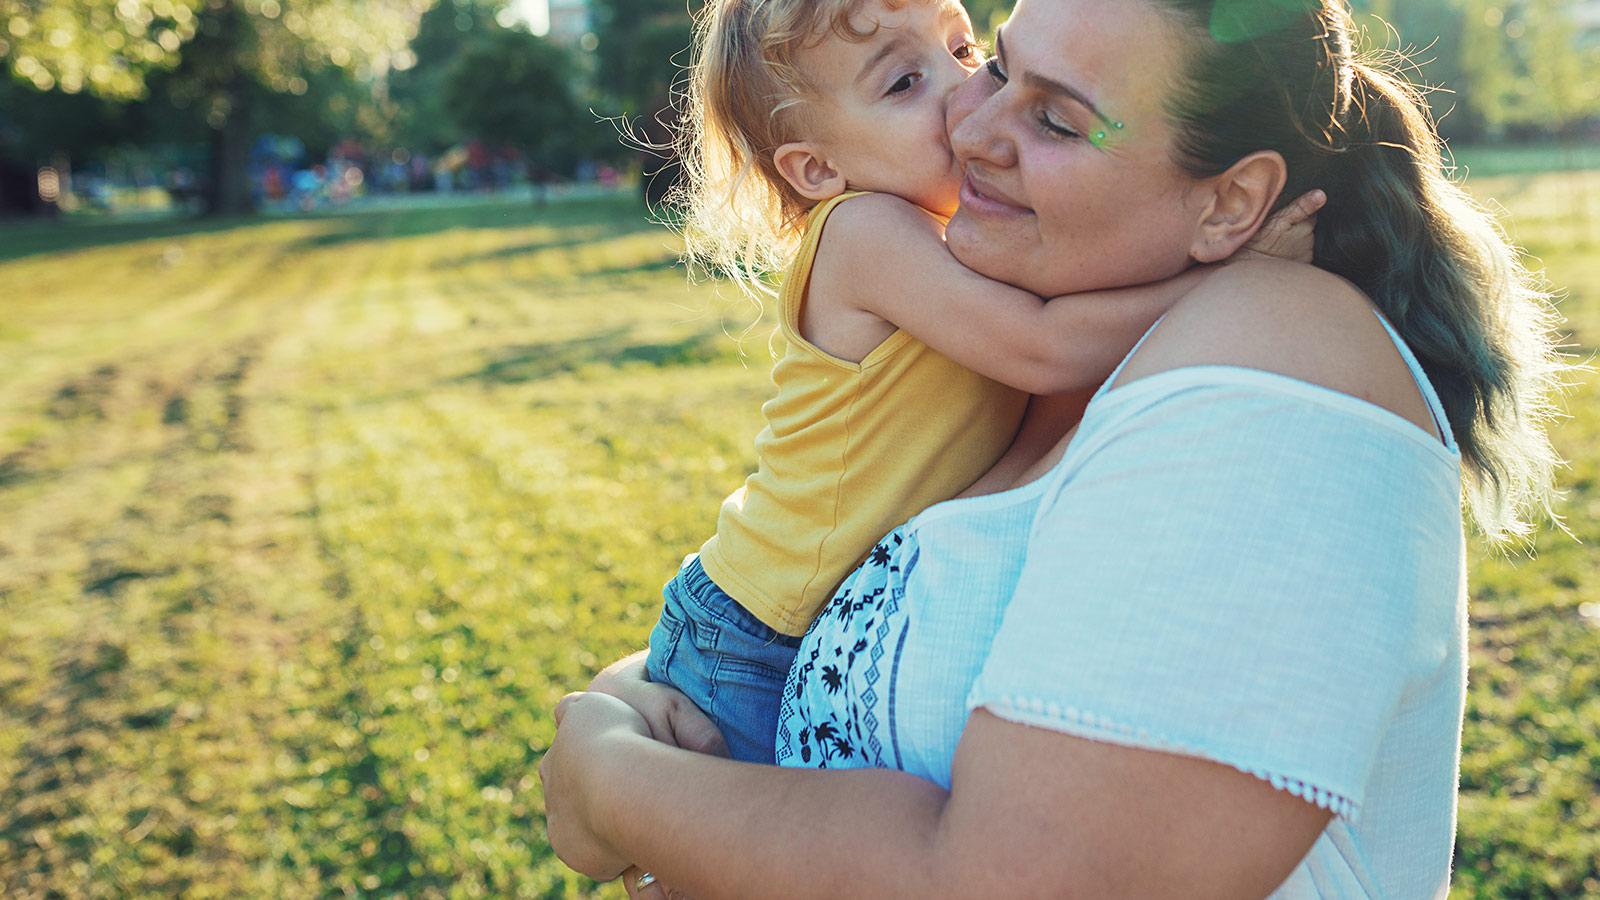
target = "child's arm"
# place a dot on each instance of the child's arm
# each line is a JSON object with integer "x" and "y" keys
{"x": 888, "y": 257}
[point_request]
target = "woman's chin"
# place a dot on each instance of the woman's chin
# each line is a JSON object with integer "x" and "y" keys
{"x": 967, "y": 242}
{"x": 985, "y": 251}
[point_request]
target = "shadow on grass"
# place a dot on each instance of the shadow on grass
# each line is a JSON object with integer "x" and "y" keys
{"x": 522, "y": 363}
{"x": 572, "y": 237}
{"x": 21, "y": 239}
{"x": 601, "y": 216}
{"x": 663, "y": 264}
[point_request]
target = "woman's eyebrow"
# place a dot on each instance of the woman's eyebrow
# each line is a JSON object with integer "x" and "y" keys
{"x": 1050, "y": 85}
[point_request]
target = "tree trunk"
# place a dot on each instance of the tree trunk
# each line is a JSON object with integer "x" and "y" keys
{"x": 19, "y": 190}
{"x": 228, "y": 189}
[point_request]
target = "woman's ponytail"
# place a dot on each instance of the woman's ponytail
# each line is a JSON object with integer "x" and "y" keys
{"x": 1431, "y": 259}
{"x": 1439, "y": 266}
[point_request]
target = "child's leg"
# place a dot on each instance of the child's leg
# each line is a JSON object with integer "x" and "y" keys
{"x": 725, "y": 659}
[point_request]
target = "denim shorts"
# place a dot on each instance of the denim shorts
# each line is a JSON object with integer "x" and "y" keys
{"x": 731, "y": 664}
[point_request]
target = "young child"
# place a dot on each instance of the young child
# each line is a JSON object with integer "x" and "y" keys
{"x": 806, "y": 113}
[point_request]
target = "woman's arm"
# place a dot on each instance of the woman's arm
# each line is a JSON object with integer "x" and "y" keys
{"x": 1031, "y": 813}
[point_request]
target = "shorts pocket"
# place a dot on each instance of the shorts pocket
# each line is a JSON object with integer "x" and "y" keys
{"x": 664, "y": 640}
{"x": 750, "y": 672}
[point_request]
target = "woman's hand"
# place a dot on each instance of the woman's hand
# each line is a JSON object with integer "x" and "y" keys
{"x": 591, "y": 730}
{"x": 652, "y": 890}
{"x": 672, "y": 717}
{"x": 1290, "y": 233}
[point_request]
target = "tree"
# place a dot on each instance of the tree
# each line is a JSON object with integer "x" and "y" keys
{"x": 512, "y": 88}
{"x": 643, "y": 52}
{"x": 1546, "y": 87}
{"x": 1502, "y": 63}
{"x": 224, "y": 57}
{"x": 987, "y": 14}
{"x": 422, "y": 119}
{"x": 105, "y": 47}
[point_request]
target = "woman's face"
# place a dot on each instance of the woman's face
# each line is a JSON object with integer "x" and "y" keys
{"x": 1067, "y": 153}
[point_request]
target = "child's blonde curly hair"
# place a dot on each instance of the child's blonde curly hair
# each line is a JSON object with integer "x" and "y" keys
{"x": 745, "y": 99}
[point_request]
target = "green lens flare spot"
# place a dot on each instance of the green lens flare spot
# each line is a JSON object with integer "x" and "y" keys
{"x": 1239, "y": 21}
{"x": 1099, "y": 138}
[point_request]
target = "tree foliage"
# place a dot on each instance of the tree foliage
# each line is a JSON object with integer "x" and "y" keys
{"x": 1541, "y": 76}
{"x": 1501, "y": 64}
{"x": 110, "y": 47}
{"x": 419, "y": 115}
{"x": 216, "y": 59}
{"x": 643, "y": 51}
{"x": 105, "y": 47}
{"x": 514, "y": 88}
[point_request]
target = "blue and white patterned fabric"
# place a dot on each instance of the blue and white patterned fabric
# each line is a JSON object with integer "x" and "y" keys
{"x": 1226, "y": 563}
{"x": 844, "y": 704}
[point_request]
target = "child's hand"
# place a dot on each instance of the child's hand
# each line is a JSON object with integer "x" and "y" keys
{"x": 1290, "y": 233}
{"x": 673, "y": 718}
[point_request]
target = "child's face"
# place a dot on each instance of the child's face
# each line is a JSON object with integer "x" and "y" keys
{"x": 878, "y": 118}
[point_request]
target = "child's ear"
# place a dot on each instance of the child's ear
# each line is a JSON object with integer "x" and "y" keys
{"x": 1241, "y": 199}
{"x": 801, "y": 164}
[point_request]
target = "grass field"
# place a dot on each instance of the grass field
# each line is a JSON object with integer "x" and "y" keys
{"x": 305, "y": 525}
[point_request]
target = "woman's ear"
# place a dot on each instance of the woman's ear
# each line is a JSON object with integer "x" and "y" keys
{"x": 1240, "y": 200}
{"x": 801, "y": 164}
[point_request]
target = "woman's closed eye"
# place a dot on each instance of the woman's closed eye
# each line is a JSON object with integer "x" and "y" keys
{"x": 1055, "y": 128}
{"x": 1047, "y": 123}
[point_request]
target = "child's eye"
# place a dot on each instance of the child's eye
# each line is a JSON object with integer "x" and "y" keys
{"x": 968, "y": 50}
{"x": 995, "y": 72}
{"x": 904, "y": 83}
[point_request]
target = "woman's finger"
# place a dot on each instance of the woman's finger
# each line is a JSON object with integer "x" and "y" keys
{"x": 650, "y": 890}
{"x": 564, "y": 705}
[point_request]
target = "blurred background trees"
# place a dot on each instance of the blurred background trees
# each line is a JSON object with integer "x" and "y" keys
{"x": 214, "y": 64}
{"x": 1509, "y": 68}
{"x": 531, "y": 108}
{"x": 213, "y": 93}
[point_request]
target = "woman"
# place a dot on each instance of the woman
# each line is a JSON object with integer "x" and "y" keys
{"x": 1210, "y": 642}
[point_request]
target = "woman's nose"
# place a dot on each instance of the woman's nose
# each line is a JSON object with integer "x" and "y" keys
{"x": 971, "y": 120}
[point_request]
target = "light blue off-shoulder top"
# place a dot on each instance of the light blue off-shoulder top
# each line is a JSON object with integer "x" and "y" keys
{"x": 1227, "y": 563}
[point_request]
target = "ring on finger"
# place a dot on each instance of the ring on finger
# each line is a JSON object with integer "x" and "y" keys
{"x": 645, "y": 880}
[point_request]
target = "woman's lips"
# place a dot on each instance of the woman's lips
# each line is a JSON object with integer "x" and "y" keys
{"x": 983, "y": 200}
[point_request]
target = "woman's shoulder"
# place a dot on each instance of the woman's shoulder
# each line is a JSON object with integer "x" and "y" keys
{"x": 1290, "y": 319}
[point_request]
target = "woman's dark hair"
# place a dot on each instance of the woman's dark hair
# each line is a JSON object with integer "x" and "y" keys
{"x": 1284, "y": 75}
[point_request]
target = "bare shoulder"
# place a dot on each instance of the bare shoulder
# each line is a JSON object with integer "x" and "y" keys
{"x": 1291, "y": 319}
{"x": 862, "y": 242}
{"x": 869, "y": 244}
{"x": 866, "y": 237}
{"x": 870, "y": 223}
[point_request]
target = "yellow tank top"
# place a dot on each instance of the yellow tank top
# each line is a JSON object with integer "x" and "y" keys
{"x": 850, "y": 450}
